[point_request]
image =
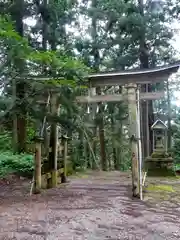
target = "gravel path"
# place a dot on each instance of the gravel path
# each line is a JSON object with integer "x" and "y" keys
{"x": 98, "y": 206}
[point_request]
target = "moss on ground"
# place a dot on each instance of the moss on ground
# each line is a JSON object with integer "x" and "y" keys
{"x": 164, "y": 188}
{"x": 162, "y": 191}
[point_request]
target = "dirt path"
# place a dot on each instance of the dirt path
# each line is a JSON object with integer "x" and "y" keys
{"x": 94, "y": 207}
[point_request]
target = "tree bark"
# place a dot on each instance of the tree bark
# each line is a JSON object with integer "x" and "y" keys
{"x": 146, "y": 107}
{"x": 17, "y": 12}
{"x": 15, "y": 135}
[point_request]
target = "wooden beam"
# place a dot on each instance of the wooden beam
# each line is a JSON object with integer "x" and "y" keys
{"x": 118, "y": 97}
{"x": 123, "y": 80}
{"x": 151, "y": 95}
{"x": 155, "y": 75}
{"x": 100, "y": 98}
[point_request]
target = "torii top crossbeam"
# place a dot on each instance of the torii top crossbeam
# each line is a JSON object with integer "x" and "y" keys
{"x": 140, "y": 76}
{"x": 143, "y": 76}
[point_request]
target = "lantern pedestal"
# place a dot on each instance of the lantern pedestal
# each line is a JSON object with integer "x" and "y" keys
{"x": 159, "y": 164}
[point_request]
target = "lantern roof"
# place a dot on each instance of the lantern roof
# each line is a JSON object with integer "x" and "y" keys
{"x": 158, "y": 124}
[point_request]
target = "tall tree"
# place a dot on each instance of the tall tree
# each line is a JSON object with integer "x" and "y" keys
{"x": 17, "y": 14}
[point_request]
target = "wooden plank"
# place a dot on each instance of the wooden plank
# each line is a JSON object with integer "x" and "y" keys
{"x": 166, "y": 68}
{"x": 118, "y": 97}
{"x": 151, "y": 95}
{"x": 123, "y": 80}
{"x": 101, "y": 98}
{"x": 155, "y": 75}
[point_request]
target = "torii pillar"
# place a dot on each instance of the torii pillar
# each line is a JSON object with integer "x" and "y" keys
{"x": 133, "y": 130}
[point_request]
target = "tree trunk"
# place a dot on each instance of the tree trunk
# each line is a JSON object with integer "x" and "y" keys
{"x": 44, "y": 26}
{"x": 17, "y": 16}
{"x": 147, "y": 108}
{"x": 15, "y": 135}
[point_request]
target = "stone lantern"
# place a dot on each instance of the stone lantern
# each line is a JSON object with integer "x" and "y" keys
{"x": 160, "y": 163}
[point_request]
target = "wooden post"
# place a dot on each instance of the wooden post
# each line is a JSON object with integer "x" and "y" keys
{"x": 37, "y": 163}
{"x": 153, "y": 141}
{"x": 53, "y": 148}
{"x": 46, "y": 142}
{"x": 166, "y": 140}
{"x": 101, "y": 134}
{"x": 132, "y": 106}
{"x": 64, "y": 174}
{"x": 139, "y": 147}
{"x": 147, "y": 125}
{"x": 92, "y": 118}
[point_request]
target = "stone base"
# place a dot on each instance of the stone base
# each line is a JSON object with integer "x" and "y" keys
{"x": 161, "y": 167}
{"x": 50, "y": 180}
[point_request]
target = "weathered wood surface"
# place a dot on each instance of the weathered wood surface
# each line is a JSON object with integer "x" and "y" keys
{"x": 133, "y": 133}
{"x": 119, "y": 81}
{"x": 154, "y": 75}
{"x": 151, "y": 95}
{"x": 37, "y": 164}
{"x": 118, "y": 97}
{"x": 101, "y": 98}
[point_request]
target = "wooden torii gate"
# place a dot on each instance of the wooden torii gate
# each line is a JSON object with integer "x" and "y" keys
{"x": 131, "y": 80}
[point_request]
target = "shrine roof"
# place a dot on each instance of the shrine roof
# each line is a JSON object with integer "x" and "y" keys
{"x": 140, "y": 76}
{"x": 158, "y": 124}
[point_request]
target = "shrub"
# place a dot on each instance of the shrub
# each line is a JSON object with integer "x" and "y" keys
{"x": 20, "y": 164}
{"x": 5, "y": 141}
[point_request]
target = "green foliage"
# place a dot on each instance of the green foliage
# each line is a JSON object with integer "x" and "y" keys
{"x": 21, "y": 164}
{"x": 177, "y": 167}
{"x": 5, "y": 141}
{"x": 176, "y": 145}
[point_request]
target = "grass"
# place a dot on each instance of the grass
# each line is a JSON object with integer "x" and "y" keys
{"x": 163, "y": 188}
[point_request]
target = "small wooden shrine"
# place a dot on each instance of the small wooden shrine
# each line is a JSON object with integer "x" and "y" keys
{"x": 160, "y": 162}
{"x": 159, "y": 130}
